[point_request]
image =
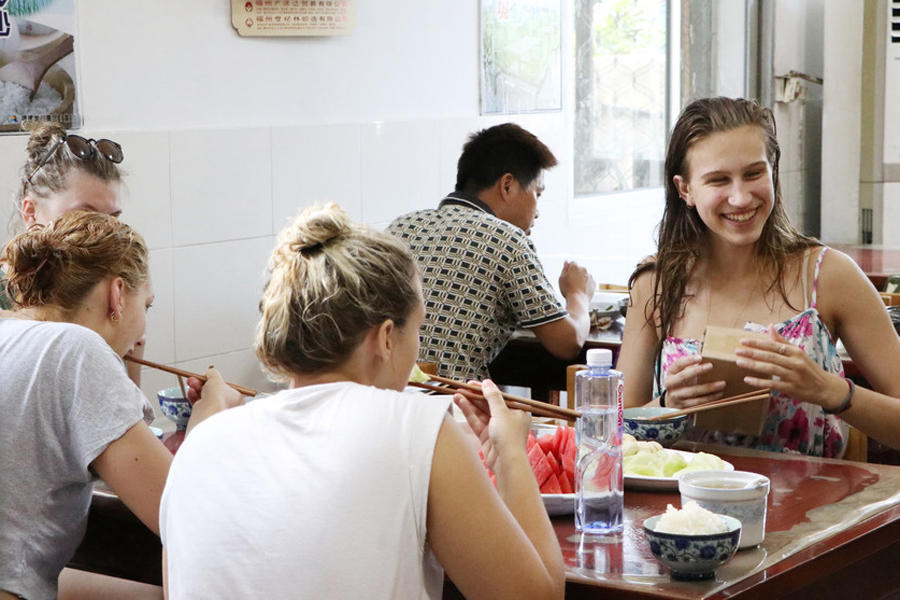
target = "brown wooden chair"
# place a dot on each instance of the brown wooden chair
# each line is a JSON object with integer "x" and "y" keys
{"x": 570, "y": 384}
{"x": 611, "y": 287}
{"x": 857, "y": 441}
{"x": 857, "y": 446}
{"x": 890, "y": 299}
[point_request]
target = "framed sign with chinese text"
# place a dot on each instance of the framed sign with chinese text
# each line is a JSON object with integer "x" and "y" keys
{"x": 293, "y": 17}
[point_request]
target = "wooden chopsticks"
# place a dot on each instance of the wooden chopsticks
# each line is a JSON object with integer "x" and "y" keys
{"x": 473, "y": 392}
{"x": 478, "y": 397}
{"x": 722, "y": 402}
{"x": 182, "y": 373}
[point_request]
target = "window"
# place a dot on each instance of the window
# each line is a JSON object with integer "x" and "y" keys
{"x": 620, "y": 95}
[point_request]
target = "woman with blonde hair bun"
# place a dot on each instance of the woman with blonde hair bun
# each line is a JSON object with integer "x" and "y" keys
{"x": 349, "y": 486}
{"x": 70, "y": 413}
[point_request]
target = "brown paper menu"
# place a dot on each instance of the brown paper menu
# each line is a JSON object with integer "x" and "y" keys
{"x": 719, "y": 344}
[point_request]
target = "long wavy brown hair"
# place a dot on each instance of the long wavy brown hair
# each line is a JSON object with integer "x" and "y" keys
{"x": 682, "y": 232}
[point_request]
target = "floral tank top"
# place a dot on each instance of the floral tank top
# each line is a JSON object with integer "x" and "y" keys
{"x": 791, "y": 426}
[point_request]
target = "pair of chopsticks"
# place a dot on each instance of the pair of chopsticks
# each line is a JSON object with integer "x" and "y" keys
{"x": 182, "y": 373}
{"x": 473, "y": 392}
{"x": 720, "y": 403}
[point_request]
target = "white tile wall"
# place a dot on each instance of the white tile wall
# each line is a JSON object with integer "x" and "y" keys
{"x": 221, "y": 185}
{"x": 400, "y": 168}
{"x": 12, "y": 149}
{"x": 160, "y": 346}
{"x": 217, "y": 290}
{"x": 315, "y": 164}
{"x": 147, "y": 198}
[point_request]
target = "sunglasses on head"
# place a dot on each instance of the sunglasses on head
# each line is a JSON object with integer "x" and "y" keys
{"x": 83, "y": 149}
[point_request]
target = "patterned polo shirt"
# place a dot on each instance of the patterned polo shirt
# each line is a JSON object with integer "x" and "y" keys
{"x": 481, "y": 279}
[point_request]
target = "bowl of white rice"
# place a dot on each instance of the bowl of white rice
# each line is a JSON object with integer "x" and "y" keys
{"x": 693, "y": 542}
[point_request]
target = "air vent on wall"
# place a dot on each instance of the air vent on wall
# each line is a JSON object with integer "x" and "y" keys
{"x": 866, "y": 226}
{"x": 895, "y": 22}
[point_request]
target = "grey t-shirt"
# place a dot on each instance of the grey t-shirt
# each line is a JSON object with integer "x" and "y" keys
{"x": 64, "y": 396}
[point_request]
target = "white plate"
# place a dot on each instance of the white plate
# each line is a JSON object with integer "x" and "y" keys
{"x": 564, "y": 504}
{"x": 642, "y": 482}
{"x": 559, "y": 504}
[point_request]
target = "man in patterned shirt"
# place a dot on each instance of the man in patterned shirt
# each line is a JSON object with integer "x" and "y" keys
{"x": 481, "y": 272}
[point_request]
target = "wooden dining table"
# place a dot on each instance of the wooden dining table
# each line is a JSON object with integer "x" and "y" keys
{"x": 832, "y": 531}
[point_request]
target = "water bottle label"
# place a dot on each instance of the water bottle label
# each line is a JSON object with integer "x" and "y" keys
{"x": 620, "y": 402}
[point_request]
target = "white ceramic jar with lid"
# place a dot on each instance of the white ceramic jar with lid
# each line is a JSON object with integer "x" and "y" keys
{"x": 739, "y": 494}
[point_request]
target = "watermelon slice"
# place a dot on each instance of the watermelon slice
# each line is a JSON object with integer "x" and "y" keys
{"x": 539, "y": 464}
{"x": 559, "y": 440}
{"x": 605, "y": 465}
{"x": 554, "y": 464}
{"x": 551, "y": 486}
{"x": 552, "y": 459}
{"x": 546, "y": 442}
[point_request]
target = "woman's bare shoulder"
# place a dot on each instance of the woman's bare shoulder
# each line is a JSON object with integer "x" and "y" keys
{"x": 840, "y": 270}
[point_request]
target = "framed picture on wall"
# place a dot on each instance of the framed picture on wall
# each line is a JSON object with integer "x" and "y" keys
{"x": 37, "y": 64}
{"x": 521, "y": 59}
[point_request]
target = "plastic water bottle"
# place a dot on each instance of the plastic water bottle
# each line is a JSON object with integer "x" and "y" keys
{"x": 599, "y": 482}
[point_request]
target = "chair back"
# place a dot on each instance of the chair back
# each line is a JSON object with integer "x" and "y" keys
{"x": 570, "y": 383}
{"x": 857, "y": 446}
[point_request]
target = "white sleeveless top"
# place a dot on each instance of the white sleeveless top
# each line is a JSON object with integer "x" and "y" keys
{"x": 316, "y": 492}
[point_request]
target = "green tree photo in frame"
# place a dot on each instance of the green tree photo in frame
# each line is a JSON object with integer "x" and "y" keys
{"x": 521, "y": 61}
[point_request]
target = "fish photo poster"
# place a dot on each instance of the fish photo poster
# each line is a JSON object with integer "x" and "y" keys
{"x": 37, "y": 63}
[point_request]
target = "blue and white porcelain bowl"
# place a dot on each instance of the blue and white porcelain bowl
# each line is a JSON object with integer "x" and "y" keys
{"x": 664, "y": 431}
{"x": 693, "y": 557}
{"x": 175, "y": 406}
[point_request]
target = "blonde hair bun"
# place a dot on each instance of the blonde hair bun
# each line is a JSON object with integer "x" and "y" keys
{"x": 330, "y": 282}
{"x": 318, "y": 225}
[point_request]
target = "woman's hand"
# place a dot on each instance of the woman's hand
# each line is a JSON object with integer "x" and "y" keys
{"x": 499, "y": 429}
{"x": 682, "y": 389}
{"x": 210, "y": 397}
{"x": 791, "y": 371}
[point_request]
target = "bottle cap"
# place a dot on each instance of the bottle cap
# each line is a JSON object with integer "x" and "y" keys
{"x": 599, "y": 357}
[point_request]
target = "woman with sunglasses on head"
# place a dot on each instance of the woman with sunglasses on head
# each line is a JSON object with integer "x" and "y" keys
{"x": 66, "y": 172}
{"x": 728, "y": 256}
{"x": 344, "y": 486}
{"x": 69, "y": 412}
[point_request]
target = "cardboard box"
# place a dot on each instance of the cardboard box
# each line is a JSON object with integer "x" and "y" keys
{"x": 719, "y": 344}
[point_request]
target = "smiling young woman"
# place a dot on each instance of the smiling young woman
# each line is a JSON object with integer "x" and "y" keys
{"x": 729, "y": 256}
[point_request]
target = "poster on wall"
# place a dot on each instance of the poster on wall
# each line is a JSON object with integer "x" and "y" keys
{"x": 265, "y": 18}
{"x": 37, "y": 63}
{"x": 521, "y": 62}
